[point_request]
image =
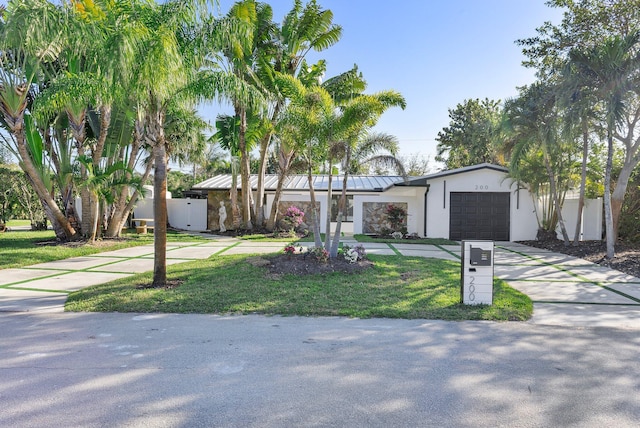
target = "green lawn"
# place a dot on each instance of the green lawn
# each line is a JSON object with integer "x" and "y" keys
{"x": 24, "y": 248}
{"x": 397, "y": 287}
{"x": 14, "y": 223}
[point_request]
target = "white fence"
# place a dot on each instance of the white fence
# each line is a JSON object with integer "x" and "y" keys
{"x": 186, "y": 214}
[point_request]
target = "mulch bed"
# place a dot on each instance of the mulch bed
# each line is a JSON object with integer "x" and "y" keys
{"x": 627, "y": 256}
{"x": 304, "y": 264}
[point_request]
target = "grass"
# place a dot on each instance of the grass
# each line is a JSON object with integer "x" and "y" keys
{"x": 260, "y": 237}
{"x": 428, "y": 241}
{"x": 396, "y": 287}
{"x": 24, "y": 248}
{"x": 14, "y": 223}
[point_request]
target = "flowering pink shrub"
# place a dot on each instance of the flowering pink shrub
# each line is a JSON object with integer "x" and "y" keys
{"x": 293, "y": 217}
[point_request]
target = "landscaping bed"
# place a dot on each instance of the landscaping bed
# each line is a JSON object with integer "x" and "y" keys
{"x": 627, "y": 255}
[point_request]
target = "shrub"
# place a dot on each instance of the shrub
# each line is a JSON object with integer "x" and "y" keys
{"x": 396, "y": 216}
{"x": 319, "y": 253}
{"x": 290, "y": 249}
{"x": 355, "y": 254}
{"x": 293, "y": 217}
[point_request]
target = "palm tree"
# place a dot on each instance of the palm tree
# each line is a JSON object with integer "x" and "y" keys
{"x": 607, "y": 69}
{"x": 304, "y": 129}
{"x": 30, "y": 40}
{"x": 580, "y": 112}
{"x": 303, "y": 29}
{"x": 359, "y": 115}
{"x": 170, "y": 70}
{"x": 241, "y": 51}
{"x": 533, "y": 123}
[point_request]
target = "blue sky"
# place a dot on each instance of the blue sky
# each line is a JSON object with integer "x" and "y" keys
{"x": 437, "y": 53}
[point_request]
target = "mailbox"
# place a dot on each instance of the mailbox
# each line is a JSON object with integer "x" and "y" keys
{"x": 480, "y": 257}
{"x": 476, "y": 276}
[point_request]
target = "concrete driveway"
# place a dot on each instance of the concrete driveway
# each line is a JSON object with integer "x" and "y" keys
{"x": 565, "y": 290}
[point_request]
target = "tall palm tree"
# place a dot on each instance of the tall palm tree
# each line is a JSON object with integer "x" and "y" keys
{"x": 533, "y": 123}
{"x": 359, "y": 115}
{"x": 581, "y": 110}
{"x": 302, "y": 30}
{"x": 252, "y": 24}
{"x": 303, "y": 125}
{"x": 30, "y": 41}
{"x": 608, "y": 69}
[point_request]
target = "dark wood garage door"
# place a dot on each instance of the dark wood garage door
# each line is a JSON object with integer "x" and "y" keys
{"x": 479, "y": 216}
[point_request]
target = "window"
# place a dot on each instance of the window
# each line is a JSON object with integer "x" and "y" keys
{"x": 347, "y": 216}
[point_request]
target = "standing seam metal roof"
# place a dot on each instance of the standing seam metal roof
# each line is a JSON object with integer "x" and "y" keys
{"x": 362, "y": 183}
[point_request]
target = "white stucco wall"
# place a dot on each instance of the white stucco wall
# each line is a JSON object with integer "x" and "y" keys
{"x": 523, "y": 225}
{"x": 412, "y": 196}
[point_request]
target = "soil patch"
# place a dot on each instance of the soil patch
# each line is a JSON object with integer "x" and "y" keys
{"x": 99, "y": 243}
{"x": 627, "y": 256}
{"x": 304, "y": 264}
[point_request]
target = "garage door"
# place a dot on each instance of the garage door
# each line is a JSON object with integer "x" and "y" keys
{"x": 479, "y": 216}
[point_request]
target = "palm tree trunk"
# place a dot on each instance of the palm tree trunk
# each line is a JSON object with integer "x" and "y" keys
{"x": 608, "y": 217}
{"x": 327, "y": 236}
{"x": 155, "y": 133}
{"x": 245, "y": 170}
{"x": 556, "y": 199}
{"x": 333, "y": 252}
{"x": 583, "y": 180}
{"x": 259, "y": 214}
{"x": 95, "y": 214}
{"x": 316, "y": 220}
{"x": 233, "y": 194}
{"x": 283, "y": 171}
{"x": 59, "y": 222}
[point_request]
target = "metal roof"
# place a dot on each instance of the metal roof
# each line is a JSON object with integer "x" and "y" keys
{"x": 355, "y": 183}
{"x": 425, "y": 178}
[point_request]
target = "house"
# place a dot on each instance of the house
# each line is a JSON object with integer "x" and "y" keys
{"x": 474, "y": 202}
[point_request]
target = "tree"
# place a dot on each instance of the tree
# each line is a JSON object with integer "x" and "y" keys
{"x": 586, "y": 24}
{"x": 30, "y": 41}
{"x": 581, "y": 113}
{"x": 359, "y": 115}
{"x": 532, "y": 122}
{"x": 241, "y": 52}
{"x": 303, "y": 29}
{"x": 303, "y": 132}
{"x": 378, "y": 151}
{"x": 416, "y": 164}
{"x": 473, "y": 135}
{"x": 173, "y": 68}
{"x": 608, "y": 69}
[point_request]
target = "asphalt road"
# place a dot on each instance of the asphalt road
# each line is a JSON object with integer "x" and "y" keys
{"x": 129, "y": 370}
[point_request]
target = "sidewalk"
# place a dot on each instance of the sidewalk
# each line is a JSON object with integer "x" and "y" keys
{"x": 565, "y": 290}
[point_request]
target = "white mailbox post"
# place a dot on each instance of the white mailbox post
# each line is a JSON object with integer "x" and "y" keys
{"x": 476, "y": 277}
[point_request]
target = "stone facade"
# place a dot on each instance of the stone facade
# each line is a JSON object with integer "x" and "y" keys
{"x": 374, "y": 219}
{"x": 305, "y": 206}
{"x": 213, "y": 204}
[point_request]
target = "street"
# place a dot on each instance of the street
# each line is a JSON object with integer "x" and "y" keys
{"x": 159, "y": 370}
